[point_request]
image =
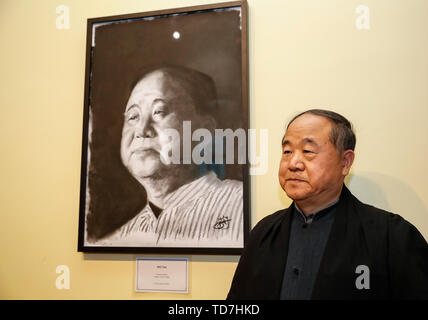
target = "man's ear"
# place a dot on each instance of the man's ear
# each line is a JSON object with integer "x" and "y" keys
{"x": 347, "y": 161}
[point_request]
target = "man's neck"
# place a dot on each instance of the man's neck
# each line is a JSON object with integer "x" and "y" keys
{"x": 158, "y": 188}
{"x": 311, "y": 206}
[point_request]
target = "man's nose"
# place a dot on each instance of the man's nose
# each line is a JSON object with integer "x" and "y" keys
{"x": 144, "y": 128}
{"x": 296, "y": 162}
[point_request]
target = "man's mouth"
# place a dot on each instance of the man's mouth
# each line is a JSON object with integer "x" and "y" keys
{"x": 295, "y": 180}
{"x": 141, "y": 151}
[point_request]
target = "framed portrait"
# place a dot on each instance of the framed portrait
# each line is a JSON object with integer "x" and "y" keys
{"x": 164, "y": 148}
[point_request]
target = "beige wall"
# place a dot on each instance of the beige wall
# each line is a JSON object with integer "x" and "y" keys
{"x": 302, "y": 54}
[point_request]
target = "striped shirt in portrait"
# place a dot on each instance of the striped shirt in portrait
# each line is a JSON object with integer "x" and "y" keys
{"x": 206, "y": 212}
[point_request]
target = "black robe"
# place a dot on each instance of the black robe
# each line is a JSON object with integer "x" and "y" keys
{"x": 394, "y": 251}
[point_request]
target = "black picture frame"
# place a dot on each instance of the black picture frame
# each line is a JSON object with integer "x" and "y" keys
{"x": 213, "y": 41}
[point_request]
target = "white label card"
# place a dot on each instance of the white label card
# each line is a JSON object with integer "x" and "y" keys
{"x": 162, "y": 275}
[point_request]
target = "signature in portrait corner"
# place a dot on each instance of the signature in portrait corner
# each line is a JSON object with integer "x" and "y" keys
{"x": 222, "y": 223}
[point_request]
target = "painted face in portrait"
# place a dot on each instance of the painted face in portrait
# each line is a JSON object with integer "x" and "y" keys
{"x": 157, "y": 105}
{"x": 311, "y": 168}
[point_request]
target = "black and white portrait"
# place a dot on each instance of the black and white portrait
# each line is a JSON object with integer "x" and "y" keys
{"x": 164, "y": 103}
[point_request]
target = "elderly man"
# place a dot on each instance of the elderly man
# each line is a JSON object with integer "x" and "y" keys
{"x": 186, "y": 206}
{"x": 327, "y": 244}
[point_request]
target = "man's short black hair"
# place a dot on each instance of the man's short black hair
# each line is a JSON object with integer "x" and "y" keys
{"x": 198, "y": 85}
{"x": 342, "y": 134}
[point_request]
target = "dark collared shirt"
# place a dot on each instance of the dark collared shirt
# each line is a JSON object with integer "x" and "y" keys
{"x": 308, "y": 238}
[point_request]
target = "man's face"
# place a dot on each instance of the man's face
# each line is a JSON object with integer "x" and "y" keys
{"x": 156, "y": 103}
{"x": 311, "y": 168}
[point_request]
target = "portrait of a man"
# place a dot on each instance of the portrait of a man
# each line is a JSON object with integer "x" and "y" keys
{"x": 149, "y": 184}
{"x": 183, "y": 204}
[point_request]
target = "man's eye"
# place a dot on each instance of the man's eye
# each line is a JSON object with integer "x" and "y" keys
{"x": 307, "y": 151}
{"x": 286, "y": 152}
{"x": 132, "y": 117}
{"x": 158, "y": 114}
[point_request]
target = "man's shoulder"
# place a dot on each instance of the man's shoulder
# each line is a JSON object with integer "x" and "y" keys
{"x": 233, "y": 185}
{"x": 382, "y": 219}
{"x": 369, "y": 211}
